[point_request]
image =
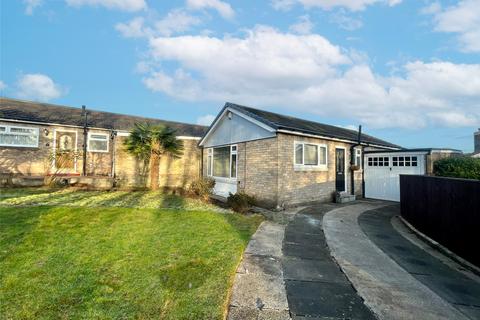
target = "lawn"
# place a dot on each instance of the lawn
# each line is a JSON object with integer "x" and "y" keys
{"x": 142, "y": 261}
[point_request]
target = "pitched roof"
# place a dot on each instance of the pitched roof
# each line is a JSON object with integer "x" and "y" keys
{"x": 279, "y": 122}
{"x": 55, "y": 114}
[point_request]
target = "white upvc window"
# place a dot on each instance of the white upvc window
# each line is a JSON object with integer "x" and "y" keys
{"x": 16, "y": 136}
{"x": 209, "y": 161}
{"x": 222, "y": 162}
{"x": 358, "y": 157}
{"x": 310, "y": 155}
{"x": 97, "y": 142}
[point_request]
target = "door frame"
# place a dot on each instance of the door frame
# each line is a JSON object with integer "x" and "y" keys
{"x": 345, "y": 167}
{"x": 55, "y": 146}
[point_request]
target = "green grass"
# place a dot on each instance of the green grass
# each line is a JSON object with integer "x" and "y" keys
{"x": 123, "y": 199}
{"x": 59, "y": 262}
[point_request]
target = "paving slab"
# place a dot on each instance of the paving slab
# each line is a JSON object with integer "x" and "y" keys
{"x": 326, "y": 300}
{"x": 253, "y": 290}
{"x": 311, "y": 270}
{"x": 258, "y": 291}
{"x": 316, "y": 287}
{"x": 389, "y": 290}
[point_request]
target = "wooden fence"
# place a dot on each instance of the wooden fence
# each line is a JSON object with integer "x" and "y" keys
{"x": 445, "y": 209}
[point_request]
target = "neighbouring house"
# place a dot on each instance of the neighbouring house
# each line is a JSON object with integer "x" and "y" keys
{"x": 476, "y": 142}
{"x": 35, "y": 136}
{"x": 283, "y": 160}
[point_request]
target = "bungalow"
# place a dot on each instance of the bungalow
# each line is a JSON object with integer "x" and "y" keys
{"x": 35, "y": 136}
{"x": 282, "y": 160}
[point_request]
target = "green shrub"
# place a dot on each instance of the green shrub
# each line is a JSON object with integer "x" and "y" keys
{"x": 241, "y": 202}
{"x": 202, "y": 188}
{"x": 458, "y": 167}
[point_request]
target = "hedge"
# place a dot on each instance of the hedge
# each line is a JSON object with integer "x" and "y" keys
{"x": 458, "y": 167}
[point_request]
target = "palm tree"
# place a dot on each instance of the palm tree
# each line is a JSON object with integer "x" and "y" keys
{"x": 150, "y": 142}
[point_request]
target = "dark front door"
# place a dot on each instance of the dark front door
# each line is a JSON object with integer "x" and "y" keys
{"x": 340, "y": 169}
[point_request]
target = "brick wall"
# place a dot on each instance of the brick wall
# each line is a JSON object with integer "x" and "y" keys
{"x": 266, "y": 171}
{"x": 296, "y": 186}
{"x": 38, "y": 161}
{"x": 174, "y": 172}
{"x": 260, "y": 170}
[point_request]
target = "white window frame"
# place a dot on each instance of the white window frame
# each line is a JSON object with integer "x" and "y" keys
{"x": 98, "y": 134}
{"x": 7, "y": 131}
{"x": 210, "y": 153}
{"x": 209, "y": 162}
{"x": 358, "y": 156}
{"x": 305, "y": 167}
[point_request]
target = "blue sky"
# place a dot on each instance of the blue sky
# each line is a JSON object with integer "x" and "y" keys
{"x": 408, "y": 71}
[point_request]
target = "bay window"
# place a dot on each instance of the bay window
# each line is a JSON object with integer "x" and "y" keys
{"x": 310, "y": 155}
{"x": 222, "y": 162}
{"x": 14, "y": 136}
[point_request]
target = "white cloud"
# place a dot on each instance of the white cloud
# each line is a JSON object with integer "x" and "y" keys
{"x": 205, "y": 120}
{"x": 176, "y": 21}
{"x": 223, "y": 8}
{"x": 462, "y": 19}
{"x": 30, "y": 6}
{"x": 344, "y": 21}
{"x": 308, "y": 73}
{"x": 2, "y": 85}
{"x": 303, "y": 26}
{"x": 124, "y": 5}
{"x": 38, "y": 87}
{"x": 135, "y": 28}
{"x": 353, "y": 5}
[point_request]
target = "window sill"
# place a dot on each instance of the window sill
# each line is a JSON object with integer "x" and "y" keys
{"x": 310, "y": 168}
{"x": 225, "y": 180}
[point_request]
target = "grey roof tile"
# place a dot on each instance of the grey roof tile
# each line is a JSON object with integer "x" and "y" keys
{"x": 49, "y": 113}
{"x": 278, "y": 121}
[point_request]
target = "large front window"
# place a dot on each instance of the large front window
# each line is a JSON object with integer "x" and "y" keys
{"x": 310, "y": 155}
{"x": 222, "y": 162}
{"x": 13, "y": 136}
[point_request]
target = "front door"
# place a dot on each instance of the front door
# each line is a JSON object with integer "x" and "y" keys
{"x": 340, "y": 169}
{"x": 65, "y": 151}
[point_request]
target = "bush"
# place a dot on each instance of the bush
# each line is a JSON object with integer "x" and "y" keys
{"x": 202, "y": 188}
{"x": 458, "y": 167}
{"x": 240, "y": 202}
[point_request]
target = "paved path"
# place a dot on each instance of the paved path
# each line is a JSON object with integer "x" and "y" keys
{"x": 316, "y": 287}
{"x": 258, "y": 291}
{"x": 391, "y": 291}
{"x": 452, "y": 285}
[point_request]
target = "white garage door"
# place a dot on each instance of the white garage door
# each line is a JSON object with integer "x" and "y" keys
{"x": 382, "y": 173}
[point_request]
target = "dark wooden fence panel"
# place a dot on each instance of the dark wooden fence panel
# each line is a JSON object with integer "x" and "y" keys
{"x": 445, "y": 209}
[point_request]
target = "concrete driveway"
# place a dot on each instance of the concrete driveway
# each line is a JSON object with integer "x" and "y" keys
{"x": 395, "y": 273}
{"x": 353, "y": 261}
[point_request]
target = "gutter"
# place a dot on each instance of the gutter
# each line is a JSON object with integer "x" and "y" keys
{"x": 335, "y": 139}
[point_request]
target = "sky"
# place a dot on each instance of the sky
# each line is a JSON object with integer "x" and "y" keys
{"x": 408, "y": 71}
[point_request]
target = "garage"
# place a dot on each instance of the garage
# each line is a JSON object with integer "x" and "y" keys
{"x": 383, "y": 169}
